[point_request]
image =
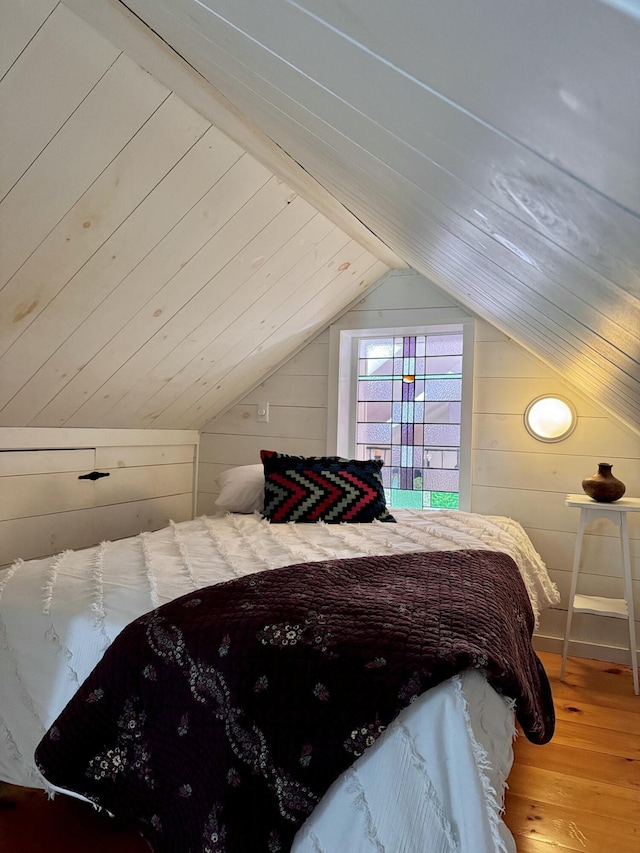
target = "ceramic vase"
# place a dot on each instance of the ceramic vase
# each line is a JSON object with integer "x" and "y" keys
{"x": 603, "y": 486}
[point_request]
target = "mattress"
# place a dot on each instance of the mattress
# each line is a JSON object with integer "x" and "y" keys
{"x": 58, "y": 616}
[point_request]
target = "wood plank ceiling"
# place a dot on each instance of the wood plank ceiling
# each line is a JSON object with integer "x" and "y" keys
{"x": 154, "y": 270}
{"x": 151, "y": 269}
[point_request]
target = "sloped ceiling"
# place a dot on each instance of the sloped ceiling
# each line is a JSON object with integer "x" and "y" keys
{"x": 152, "y": 270}
{"x": 155, "y": 269}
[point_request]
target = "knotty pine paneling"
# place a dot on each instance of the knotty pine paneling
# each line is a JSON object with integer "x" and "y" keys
{"x": 142, "y": 245}
{"x": 20, "y": 21}
{"x": 280, "y": 388}
{"x": 472, "y": 193}
{"x": 76, "y": 155}
{"x": 159, "y": 326}
{"x": 256, "y": 272}
{"x": 597, "y": 436}
{"x": 180, "y": 218}
{"x": 50, "y": 62}
{"x": 285, "y": 422}
{"x": 284, "y": 328}
{"x": 76, "y": 294}
{"x": 468, "y": 193}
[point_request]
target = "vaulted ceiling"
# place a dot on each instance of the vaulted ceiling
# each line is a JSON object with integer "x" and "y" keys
{"x": 191, "y": 189}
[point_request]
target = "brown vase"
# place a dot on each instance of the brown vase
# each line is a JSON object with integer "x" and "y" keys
{"x": 603, "y": 486}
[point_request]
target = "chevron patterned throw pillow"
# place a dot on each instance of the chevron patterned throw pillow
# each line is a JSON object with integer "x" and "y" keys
{"x": 322, "y": 488}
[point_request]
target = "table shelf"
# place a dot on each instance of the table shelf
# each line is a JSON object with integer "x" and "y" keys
{"x": 601, "y": 606}
{"x": 619, "y": 608}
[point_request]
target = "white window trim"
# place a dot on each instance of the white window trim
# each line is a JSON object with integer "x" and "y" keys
{"x": 343, "y": 342}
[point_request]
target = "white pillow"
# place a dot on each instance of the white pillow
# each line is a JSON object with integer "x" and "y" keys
{"x": 241, "y": 489}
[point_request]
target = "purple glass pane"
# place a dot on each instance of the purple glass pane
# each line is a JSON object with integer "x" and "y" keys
{"x": 409, "y": 347}
{"x": 408, "y": 389}
{"x": 444, "y": 364}
{"x": 375, "y": 348}
{"x": 407, "y": 434}
{"x": 455, "y": 412}
{"x": 442, "y": 413}
{"x": 447, "y": 435}
{"x": 444, "y": 344}
{"x": 441, "y": 480}
{"x": 374, "y": 433}
{"x": 375, "y": 367}
{"x": 370, "y": 389}
{"x": 374, "y": 412}
{"x": 444, "y": 389}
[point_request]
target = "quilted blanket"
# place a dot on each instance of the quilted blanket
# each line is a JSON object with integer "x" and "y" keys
{"x": 216, "y": 722}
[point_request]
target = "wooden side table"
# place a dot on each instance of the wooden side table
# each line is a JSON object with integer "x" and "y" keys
{"x": 620, "y": 608}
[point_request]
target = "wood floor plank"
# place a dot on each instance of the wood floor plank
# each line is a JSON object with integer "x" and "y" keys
{"x": 613, "y": 679}
{"x": 581, "y": 792}
{"x": 610, "y": 801}
{"x": 583, "y": 763}
{"x": 567, "y": 693}
{"x": 579, "y": 735}
{"x": 569, "y": 829}
{"x": 532, "y": 844}
{"x": 595, "y": 715}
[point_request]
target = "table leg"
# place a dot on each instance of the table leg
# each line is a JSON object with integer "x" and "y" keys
{"x": 574, "y": 586}
{"x": 628, "y": 592}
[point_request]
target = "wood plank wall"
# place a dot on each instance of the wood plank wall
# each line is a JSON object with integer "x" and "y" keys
{"x": 512, "y": 474}
{"x": 45, "y": 508}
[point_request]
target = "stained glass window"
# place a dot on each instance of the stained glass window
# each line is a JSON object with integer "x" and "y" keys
{"x": 409, "y": 392}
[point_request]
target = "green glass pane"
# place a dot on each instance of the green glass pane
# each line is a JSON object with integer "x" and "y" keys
{"x": 444, "y": 500}
{"x": 406, "y": 498}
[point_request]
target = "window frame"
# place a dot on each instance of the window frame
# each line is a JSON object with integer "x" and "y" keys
{"x": 344, "y": 336}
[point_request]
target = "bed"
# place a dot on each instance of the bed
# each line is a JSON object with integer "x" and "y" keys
{"x": 428, "y": 771}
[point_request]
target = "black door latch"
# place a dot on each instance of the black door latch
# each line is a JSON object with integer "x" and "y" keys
{"x": 94, "y": 475}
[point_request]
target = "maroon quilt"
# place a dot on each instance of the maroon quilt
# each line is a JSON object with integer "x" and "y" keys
{"x": 216, "y": 722}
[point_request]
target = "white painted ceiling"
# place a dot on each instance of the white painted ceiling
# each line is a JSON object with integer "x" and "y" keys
{"x": 169, "y": 237}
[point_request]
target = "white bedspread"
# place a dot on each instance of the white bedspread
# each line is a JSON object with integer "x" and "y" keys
{"x": 58, "y": 615}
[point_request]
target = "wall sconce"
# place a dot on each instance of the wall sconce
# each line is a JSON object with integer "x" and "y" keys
{"x": 550, "y": 418}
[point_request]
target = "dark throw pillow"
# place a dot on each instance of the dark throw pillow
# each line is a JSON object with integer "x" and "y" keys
{"x": 322, "y": 488}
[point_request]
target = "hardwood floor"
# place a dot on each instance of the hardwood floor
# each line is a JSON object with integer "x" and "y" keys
{"x": 581, "y": 792}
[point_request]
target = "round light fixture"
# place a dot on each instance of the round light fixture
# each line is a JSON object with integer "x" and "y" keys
{"x": 550, "y": 418}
